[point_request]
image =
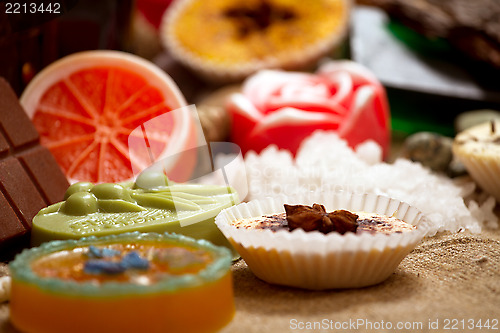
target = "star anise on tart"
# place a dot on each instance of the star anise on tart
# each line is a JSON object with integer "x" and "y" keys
{"x": 315, "y": 217}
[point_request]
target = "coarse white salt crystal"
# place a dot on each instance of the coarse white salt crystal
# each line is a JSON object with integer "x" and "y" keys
{"x": 370, "y": 152}
{"x": 325, "y": 162}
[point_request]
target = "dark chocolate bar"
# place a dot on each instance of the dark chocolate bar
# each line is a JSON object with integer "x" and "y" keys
{"x": 30, "y": 178}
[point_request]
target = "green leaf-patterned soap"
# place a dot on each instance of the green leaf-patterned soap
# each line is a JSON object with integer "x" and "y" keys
{"x": 151, "y": 204}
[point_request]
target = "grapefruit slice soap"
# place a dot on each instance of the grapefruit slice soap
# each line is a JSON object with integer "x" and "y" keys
{"x": 134, "y": 282}
{"x": 87, "y": 105}
{"x": 151, "y": 204}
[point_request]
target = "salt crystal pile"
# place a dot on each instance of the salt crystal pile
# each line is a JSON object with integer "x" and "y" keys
{"x": 325, "y": 162}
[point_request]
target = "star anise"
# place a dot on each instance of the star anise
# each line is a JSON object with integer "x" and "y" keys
{"x": 316, "y": 218}
{"x": 250, "y": 19}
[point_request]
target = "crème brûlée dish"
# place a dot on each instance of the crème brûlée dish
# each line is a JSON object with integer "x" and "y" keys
{"x": 358, "y": 222}
{"x": 125, "y": 283}
{"x": 356, "y": 241}
{"x": 228, "y": 39}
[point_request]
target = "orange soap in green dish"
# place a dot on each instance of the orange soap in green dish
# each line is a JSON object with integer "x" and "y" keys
{"x": 151, "y": 204}
{"x": 132, "y": 282}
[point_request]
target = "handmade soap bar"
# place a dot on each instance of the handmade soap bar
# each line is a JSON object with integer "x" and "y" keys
{"x": 134, "y": 282}
{"x": 151, "y": 204}
{"x": 30, "y": 178}
{"x": 283, "y": 108}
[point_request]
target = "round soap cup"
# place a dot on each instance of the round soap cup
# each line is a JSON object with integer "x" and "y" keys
{"x": 200, "y": 302}
{"x": 316, "y": 261}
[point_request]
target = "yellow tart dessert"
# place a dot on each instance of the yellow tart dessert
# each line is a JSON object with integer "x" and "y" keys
{"x": 126, "y": 283}
{"x": 229, "y": 40}
{"x": 478, "y": 148}
{"x": 356, "y": 241}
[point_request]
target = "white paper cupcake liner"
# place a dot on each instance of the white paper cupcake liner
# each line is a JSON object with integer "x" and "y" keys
{"x": 478, "y": 150}
{"x": 223, "y": 73}
{"x": 485, "y": 171}
{"x": 313, "y": 260}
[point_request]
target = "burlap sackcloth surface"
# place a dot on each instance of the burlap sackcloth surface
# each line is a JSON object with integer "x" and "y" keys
{"x": 448, "y": 283}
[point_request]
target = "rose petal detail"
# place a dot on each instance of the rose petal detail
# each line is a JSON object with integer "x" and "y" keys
{"x": 344, "y": 86}
{"x": 292, "y": 116}
{"x": 307, "y": 106}
{"x": 242, "y": 105}
{"x": 359, "y": 73}
{"x": 361, "y": 102}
